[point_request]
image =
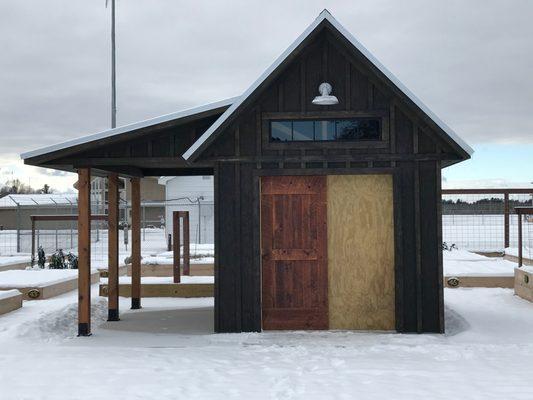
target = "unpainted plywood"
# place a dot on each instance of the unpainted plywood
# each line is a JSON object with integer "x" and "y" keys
{"x": 361, "y": 252}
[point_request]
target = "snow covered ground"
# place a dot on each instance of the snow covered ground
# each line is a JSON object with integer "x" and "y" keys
{"x": 166, "y": 351}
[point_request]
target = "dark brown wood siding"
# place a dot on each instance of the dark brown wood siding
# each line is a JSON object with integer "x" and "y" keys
{"x": 412, "y": 153}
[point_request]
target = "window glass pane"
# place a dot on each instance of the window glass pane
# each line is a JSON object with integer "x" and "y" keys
{"x": 281, "y": 131}
{"x": 324, "y": 130}
{"x": 302, "y": 130}
{"x": 355, "y": 129}
{"x": 358, "y": 129}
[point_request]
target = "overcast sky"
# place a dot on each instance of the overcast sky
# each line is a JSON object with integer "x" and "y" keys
{"x": 471, "y": 62}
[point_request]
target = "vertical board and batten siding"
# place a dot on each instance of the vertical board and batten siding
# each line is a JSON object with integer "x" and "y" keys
{"x": 241, "y": 156}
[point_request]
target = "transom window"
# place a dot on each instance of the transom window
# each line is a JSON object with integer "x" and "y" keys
{"x": 352, "y": 129}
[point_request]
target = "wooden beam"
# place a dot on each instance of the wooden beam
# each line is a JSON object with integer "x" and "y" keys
{"x": 84, "y": 252}
{"x": 112, "y": 252}
{"x": 135, "y": 243}
{"x": 176, "y": 246}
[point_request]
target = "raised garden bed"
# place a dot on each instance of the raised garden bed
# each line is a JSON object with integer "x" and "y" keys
{"x": 8, "y": 263}
{"x": 42, "y": 284}
{"x": 191, "y": 286}
{"x": 10, "y": 300}
{"x": 160, "y": 270}
{"x": 523, "y": 282}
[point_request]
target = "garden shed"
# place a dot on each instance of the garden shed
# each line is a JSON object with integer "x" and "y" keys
{"x": 327, "y": 189}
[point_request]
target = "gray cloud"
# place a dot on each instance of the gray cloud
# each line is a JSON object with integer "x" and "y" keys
{"x": 470, "y": 62}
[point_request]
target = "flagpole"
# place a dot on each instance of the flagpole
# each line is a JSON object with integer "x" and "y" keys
{"x": 113, "y": 72}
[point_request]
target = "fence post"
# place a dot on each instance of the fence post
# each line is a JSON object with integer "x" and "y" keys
{"x": 71, "y": 232}
{"x": 57, "y": 212}
{"x": 18, "y": 228}
{"x": 32, "y": 242}
{"x": 144, "y": 221}
{"x": 519, "y": 239}
{"x": 186, "y": 244}
{"x": 176, "y": 251}
{"x": 199, "y": 221}
{"x": 506, "y": 219}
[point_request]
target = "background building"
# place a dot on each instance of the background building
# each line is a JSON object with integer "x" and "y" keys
{"x": 193, "y": 194}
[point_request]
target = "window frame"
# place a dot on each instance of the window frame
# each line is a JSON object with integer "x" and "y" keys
{"x": 267, "y": 118}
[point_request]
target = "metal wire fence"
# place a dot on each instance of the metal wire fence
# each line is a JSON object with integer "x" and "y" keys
{"x": 472, "y": 219}
{"x": 156, "y": 224}
{"x": 484, "y": 220}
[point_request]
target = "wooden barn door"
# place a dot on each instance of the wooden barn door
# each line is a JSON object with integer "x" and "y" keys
{"x": 294, "y": 252}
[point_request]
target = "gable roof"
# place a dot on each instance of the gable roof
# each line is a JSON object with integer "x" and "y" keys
{"x": 224, "y": 119}
{"x": 125, "y": 129}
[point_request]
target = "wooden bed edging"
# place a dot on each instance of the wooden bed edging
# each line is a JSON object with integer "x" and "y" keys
{"x": 11, "y": 303}
{"x": 479, "y": 281}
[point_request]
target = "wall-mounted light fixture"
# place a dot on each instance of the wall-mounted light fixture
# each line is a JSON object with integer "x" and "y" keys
{"x": 325, "y": 98}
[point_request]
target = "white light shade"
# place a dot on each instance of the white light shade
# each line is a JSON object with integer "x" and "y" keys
{"x": 325, "y": 98}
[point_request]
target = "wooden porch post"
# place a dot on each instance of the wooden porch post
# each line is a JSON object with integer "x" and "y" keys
{"x": 112, "y": 252}
{"x": 135, "y": 243}
{"x": 177, "y": 250}
{"x": 84, "y": 252}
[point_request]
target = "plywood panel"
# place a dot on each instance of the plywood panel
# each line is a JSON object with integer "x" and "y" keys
{"x": 361, "y": 252}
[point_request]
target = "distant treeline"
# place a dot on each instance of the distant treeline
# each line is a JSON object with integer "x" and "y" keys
{"x": 482, "y": 206}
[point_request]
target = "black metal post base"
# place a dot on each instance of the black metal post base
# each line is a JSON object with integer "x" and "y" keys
{"x": 135, "y": 303}
{"x": 112, "y": 315}
{"x": 84, "y": 329}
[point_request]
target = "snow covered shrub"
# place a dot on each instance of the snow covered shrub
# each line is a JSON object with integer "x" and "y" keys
{"x": 41, "y": 257}
{"x": 446, "y": 246}
{"x": 57, "y": 260}
{"x": 72, "y": 260}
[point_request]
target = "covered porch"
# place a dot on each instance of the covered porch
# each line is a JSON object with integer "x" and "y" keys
{"x": 149, "y": 148}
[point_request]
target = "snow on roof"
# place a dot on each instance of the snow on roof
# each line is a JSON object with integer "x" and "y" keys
{"x": 128, "y": 128}
{"x": 324, "y": 15}
{"x": 12, "y": 200}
